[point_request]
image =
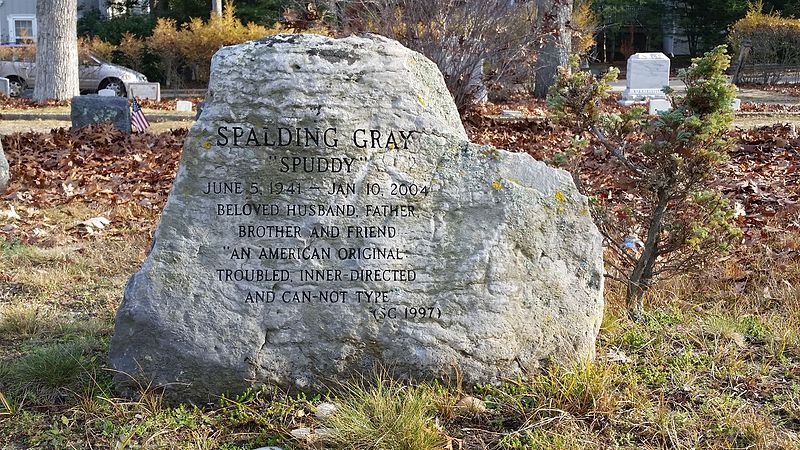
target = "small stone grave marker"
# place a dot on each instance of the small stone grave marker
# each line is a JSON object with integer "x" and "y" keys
{"x": 106, "y": 93}
{"x": 510, "y": 114}
{"x": 91, "y": 109}
{"x": 5, "y": 87}
{"x": 183, "y": 106}
{"x": 145, "y": 91}
{"x": 658, "y": 105}
{"x": 647, "y": 75}
{"x": 330, "y": 216}
{"x": 4, "y": 170}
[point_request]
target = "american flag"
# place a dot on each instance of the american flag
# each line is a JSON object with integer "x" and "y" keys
{"x": 137, "y": 117}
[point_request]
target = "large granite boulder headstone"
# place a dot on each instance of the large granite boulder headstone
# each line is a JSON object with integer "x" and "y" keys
{"x": 4, "y": 171}
{"x": 93, "y": 109}
{"x": 330, "y": 216}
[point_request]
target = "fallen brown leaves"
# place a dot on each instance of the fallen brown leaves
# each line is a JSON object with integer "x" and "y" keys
{"x": 786, "y": 89}
{"x": 761, "y": 177}
{"x": 26, "y": 103}
{"x": 540, "y": 139}
{"x": 769, "y": 107}
{"x": 101, "y": 167}
{"x": 97, "y": 166}
{"x": 16, "y": 103}
{"x": 168, "y": 104}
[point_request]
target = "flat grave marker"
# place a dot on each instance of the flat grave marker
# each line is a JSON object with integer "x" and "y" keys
{"x": 145, "y": 91}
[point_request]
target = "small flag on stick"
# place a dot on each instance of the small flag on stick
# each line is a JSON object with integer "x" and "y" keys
{"x": 137, "y": 117}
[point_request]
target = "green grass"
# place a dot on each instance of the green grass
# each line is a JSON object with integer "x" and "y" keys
{"x": 711, "y": 367}
{"x": 51, "y": 373}
{"x": 385, "y": 414}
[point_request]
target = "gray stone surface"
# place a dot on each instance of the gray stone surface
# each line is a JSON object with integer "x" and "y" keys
{"x": 499, "y": 249}
{"x": 4, "y": 173}
{"x": 200, "y": 107}
{"x": 145, "y": 91}
{"x": 92, "y": 109}
{"x": 324, "y": 411}
{"x": 5, "y": 86}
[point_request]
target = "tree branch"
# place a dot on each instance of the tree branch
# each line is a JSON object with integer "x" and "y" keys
{"x": 617, "y": 152}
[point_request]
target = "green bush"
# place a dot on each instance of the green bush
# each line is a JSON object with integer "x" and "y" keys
{"x": 666, "y": 162}
{"x": 92, "y": 24}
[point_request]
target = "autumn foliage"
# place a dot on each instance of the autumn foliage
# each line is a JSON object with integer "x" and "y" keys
{"x": 772, "y": 43}
{"x": 181, "y": 53}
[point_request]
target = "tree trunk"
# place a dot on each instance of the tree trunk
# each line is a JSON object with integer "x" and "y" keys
{"x": 56, "y": 50}
{"x": 553, "y": 18}
{"x": 159, "y": 7}
{"x": 216, "y": 7}
{"x": 642, "y": 274}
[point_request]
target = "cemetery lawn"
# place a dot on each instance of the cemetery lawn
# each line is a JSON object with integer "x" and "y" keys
{"x": 716, "y": 364}
{"x": 66, "y": 110}
{"x": 43, "y": 126}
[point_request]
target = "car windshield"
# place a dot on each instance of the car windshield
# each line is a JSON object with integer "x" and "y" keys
{"x": 90, "y": 59}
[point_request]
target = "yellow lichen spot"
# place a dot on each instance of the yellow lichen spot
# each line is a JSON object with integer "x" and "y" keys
{"x": 412, "y": 61}
{"x": 421, "y": 101}
{"x": 492, "y": 154}
{"x": 497, "y": 185}
{"x": 207, "y": 145}
{"x": 560, "y": 197}
{"x": 392, "y": 146}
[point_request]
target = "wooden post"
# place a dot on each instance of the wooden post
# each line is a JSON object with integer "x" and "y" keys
{"x": 744, "y": 52}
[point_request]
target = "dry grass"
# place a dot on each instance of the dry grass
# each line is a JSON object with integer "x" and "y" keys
{"x": 715, "y": 365}
{"x": 44, "y": 126}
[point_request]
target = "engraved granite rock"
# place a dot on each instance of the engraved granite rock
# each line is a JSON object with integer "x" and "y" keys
{"x": 330, "y": 216}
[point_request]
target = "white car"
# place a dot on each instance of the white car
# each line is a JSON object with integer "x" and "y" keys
{"x": 94, "y": 74}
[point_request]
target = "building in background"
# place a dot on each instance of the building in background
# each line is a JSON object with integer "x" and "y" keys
{"x": 18, "y": 17}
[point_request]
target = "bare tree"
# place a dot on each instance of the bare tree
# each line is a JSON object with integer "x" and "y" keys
{"x": 553, "y": 22}
{"x": 461, "y": 36}
{"x": 56, "y": 50}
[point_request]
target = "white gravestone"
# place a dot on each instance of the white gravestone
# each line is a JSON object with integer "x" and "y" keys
{"x": 145, "y": 91}
{"x": 5, "y": 87}
{"x": 648, "y": 74}
{"x": 106, "y": 93}
{"x": 658, "y": 105}
{"x": 4, "y": 171}
{"x": 183, "y": 106}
